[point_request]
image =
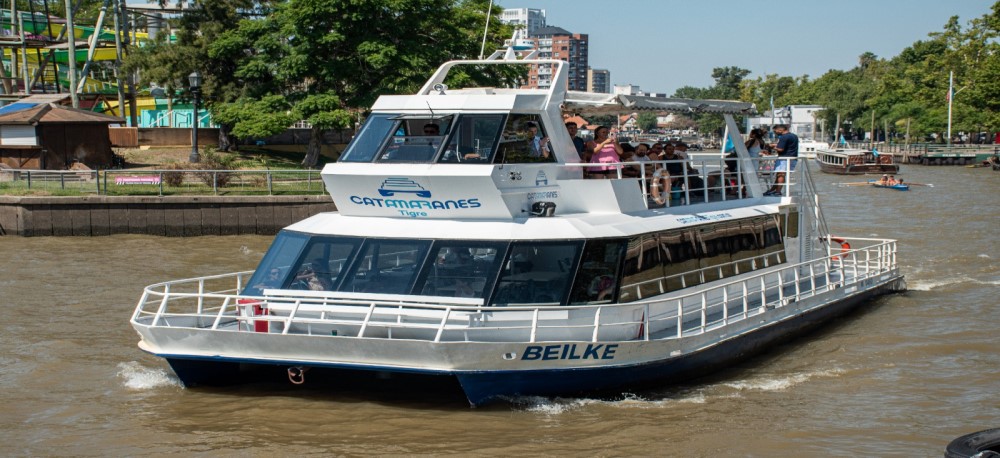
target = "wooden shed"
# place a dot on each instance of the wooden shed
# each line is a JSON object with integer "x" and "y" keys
{"x": 54, "y": 137}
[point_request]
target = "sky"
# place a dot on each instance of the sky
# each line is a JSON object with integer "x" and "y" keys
{"x": 661, "y": 45}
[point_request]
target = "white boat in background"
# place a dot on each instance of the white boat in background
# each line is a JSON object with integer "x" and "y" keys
{"x": 462, "y": 252}
{"x": 808, "y": 148}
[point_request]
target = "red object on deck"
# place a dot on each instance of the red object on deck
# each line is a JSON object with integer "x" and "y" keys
{"x": 256, "y": 310}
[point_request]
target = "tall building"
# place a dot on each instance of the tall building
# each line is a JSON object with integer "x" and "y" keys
{"x": 530, "y": 18}
{"x": 559, "y": 44}
{"x": 599, "y": 80}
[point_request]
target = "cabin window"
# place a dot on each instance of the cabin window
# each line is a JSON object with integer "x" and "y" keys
{"x": 536, "y": 273}
{"x": 461, "y": 269}
{"x": 518, "y": 144}
{"x": 415, "y": 139}
{"x": 473, "y": 139}
{"x": 597, "y": 278}
{"x": 386, "y": 266}
{"x": 274, "y": 268}
{"x": 367, "y": 141}
{"x": 643, "y": 269}
{"x": 322, "y": 262}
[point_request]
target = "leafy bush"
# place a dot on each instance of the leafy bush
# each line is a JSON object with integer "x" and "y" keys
{"x": 174, "y": 179}
{"x": 213, "y": 160}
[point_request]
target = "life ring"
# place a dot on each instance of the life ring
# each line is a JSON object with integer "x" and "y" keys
{"x": 845, "y": 247}
{"x": 884, "y": 160}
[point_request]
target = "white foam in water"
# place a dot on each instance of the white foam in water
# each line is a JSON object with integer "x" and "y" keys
{"x": 781, "y": 383}
{"x": 138, "y": 377}
{"x": 556, "y": 406}
{"x": 984, "y": 255}
{"x": 927, "y": 285}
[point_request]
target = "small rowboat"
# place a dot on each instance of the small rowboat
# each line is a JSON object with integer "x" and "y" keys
{"x": 898, "y": 187}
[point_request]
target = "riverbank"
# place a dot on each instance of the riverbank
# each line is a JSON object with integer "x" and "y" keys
{"x": 172, "y": 216}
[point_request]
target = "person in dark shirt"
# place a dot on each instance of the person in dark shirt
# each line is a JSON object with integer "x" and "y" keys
{"x": 786, "y": 147}
{"x": 578, "y": 142}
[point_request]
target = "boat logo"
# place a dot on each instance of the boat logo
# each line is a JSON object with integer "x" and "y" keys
{"x": 393, "y": 185}
{"x": 399, "y": 189}
{"x": 541, "y": 179}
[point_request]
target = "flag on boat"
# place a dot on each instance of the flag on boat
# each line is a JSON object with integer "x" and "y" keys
{"x": 728, "y": 146}
{"x": 843, "y": 141}
{"x": 875, "y": 152}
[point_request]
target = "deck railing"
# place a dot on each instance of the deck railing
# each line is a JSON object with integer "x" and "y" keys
{"x": 212, "y": 304}
{"x": 684, "y": 189}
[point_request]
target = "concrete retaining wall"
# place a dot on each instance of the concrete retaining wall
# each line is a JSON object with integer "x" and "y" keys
{"x": 175, "y": 216}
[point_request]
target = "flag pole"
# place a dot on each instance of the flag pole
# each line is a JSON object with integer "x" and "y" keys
{"x": 951, "y": 82}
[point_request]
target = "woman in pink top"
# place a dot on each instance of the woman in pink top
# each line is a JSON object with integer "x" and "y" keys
{"x": 603, "y": 149}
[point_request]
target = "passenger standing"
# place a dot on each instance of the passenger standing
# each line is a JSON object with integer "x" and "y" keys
{"x": 603, "y": 149}
{"x": 539, "y": 145}
{"x": 755, "y": 144}
{"x": 788, "y": 149}
{"x": 578, "y": 142}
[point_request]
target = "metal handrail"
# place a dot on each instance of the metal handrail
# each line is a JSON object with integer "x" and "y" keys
{"x": 698, "y": 311}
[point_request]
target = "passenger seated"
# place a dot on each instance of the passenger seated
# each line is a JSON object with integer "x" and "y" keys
{"x": 694, "y": 182}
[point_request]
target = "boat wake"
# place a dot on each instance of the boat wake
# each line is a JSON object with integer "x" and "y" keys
{"x": 137, "y": 377}
{"x": 781, "y": 383}
{"x": 927, "y": 285}
{"x": 700, "y": 395}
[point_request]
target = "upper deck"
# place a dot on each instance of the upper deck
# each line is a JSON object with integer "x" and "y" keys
{"x": 504, "y": 154}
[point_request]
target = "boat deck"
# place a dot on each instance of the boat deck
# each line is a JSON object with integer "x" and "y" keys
{"x": 189, "y": 304}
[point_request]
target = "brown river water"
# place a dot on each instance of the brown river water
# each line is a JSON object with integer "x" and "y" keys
{"x": 901, "y": 377}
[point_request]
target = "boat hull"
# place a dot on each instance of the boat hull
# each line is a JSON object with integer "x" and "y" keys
{"x": 897, "y": 187}
{"x": 574, "y": 368}
{"x": 859, "y": 169}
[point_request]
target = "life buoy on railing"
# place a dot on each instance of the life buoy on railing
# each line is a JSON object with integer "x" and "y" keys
{"x": 884, "y": 160}
{"x": 845, "y": 247}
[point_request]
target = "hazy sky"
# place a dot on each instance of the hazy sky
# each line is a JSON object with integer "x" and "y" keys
{"x": 661, "y": 45}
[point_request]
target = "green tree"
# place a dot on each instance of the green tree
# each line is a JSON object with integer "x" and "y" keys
{"x": 646, "y": 120}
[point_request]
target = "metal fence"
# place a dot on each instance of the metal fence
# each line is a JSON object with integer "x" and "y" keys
{"x": 163, "y": 182}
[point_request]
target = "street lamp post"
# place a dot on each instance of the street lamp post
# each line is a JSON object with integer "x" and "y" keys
{"x": 194, "y": 80}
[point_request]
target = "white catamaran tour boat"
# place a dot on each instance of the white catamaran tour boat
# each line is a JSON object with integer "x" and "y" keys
{"x": 463, "y": 249}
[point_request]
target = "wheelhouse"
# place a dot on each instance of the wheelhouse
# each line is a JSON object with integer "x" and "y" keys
{"x": 470, "y": 138}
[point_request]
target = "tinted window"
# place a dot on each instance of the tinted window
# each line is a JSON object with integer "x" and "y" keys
{"x": 322, "y": 262}
{"x": 386, "y": 266}
{"x": 597, "y": 278}
{"x": 519, "y": 144}
{"x": 366, "y": 143}
{"x": 473, "y": 139}
{"x": 643, "y": 270}
{"x": 277, "y": 263}
{"x": 415, "y": 139}
{"x": 461, "y": 269}
{"x": 536, "y": 272}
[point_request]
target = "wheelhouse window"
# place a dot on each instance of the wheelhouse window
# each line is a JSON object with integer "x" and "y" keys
{"x": 461, "y": 269}
{"x": 536, "y": 273}
{"x": 415, "y": 138}
{"x": 366, "y": 143}
{"x": 523, "y": 140}
{"x": 473, "y": 139}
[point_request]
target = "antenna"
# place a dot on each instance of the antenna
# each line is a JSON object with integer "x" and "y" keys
{"x": 432, "y": 110}
{"x": 489, "y": 12}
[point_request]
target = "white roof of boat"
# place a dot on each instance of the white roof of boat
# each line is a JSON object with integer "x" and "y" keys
{"x": 578, "y": 226}
{"x": 590, "y": 102}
